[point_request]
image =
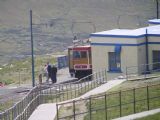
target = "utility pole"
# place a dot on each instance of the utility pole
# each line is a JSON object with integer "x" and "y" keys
{"x": 157, "y": 3}
{"x": 147, "y": 55}
{"x": 32, "y": 51}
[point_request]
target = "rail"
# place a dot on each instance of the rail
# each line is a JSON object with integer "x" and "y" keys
{"x": 59, "y": 92}
{"x": 111, "y": 105}
{"x": 143, "y": 71}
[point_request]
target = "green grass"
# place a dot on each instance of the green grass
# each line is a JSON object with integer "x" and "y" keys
{"x": 98, "y": 111}
{"x": 19, "y": 71}
{"x": 113, "y": 102}
{"x": 6, "y": 105}
{"x": 151, "y": 117}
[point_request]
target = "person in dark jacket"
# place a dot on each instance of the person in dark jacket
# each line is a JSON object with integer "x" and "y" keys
{"x": 49, "y": 71}
{"x": 54, "y": 74}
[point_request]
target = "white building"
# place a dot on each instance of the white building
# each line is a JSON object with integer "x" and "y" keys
{"x": 120, "y": 48}
{"x": 154, "y": 22}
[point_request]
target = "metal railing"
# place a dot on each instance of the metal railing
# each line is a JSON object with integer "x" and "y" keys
{"x": 111, "y": 105}
{"x": 15, "y": 110}
{"x": 59, "y": 92}
{"x": 143, "y": 71}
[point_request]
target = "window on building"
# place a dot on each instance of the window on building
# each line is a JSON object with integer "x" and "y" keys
{"x": 156, "y": 60}
{"x": 114, "y": 61}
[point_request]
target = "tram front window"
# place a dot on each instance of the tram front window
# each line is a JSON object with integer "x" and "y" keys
{"x": 84, "y": 54}
{"x": 76, "y": 54}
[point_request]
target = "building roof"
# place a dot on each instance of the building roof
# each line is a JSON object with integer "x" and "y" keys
{"x": 154, "y": 21}
{"x": 82, "y": 47}
{"x": 129, "y": 33}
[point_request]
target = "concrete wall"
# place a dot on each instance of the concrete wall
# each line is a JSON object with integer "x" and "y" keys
{"x": 141, "y": 59}
{"x": 129, "y": 54}
{"x": 114, "y": 40}
{"x": 152, "y": 47}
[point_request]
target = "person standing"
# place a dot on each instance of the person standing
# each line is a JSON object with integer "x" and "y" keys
{"x": 45, "y": 71}
{"x": 49, "y": 71}
{"x": 54, "y": 74}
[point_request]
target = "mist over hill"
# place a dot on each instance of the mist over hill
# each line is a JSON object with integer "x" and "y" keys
{"x": 57, "y": 21}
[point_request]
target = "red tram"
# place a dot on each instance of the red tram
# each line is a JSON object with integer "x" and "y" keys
{"x": 80, "y": 63}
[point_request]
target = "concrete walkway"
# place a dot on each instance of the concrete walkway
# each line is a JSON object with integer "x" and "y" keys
{"x": 44, "y": 112}
{"x": 139, "y": 115}
{"x": 48, "y": 111}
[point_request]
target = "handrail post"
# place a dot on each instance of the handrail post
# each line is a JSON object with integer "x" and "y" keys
{"x": 78, "y": 89}
{"x": 75, "y": 89}
{"x": 105, "y": 75}
{"x": 126, "y": 73}
{"x": 59, "y": 87}
{"x": 134, "y": 101}
{"x": 90, "y": 109}
{"x": 120, "y": 103}
{"x": 57, "y": 112}
{"x": 106, "y": 106}
{"x": 67, "y": 91}
{"x": 74, "y": 112}
{"x": 71, "y": 90}
{"x": 148, "y": 98}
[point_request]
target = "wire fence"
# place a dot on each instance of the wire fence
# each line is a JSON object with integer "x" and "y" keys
{"x": 49, "y": 94}
{"x": 143, "y": 71}
{"x": 111, "y": 105}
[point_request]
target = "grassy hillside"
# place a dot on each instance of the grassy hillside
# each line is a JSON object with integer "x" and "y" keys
{"x": 19, "y": 72}
{"x": 57, "y": 21}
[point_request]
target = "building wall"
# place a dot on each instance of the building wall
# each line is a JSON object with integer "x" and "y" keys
{"x": 113, "y": 40}
{"x": 154, "y": 44}
{"x": 130, "y": 55}
{"x": 141, "y": 59}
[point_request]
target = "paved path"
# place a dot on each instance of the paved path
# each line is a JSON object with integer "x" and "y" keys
{"x": 48, "y": 111}
{"x": 44, "y": 112}
{"x": 139, "y": 115}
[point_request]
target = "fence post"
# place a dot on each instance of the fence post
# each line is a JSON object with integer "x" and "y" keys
{"x": 99, "y": 75}
{"x": 74, "y": 112}
{"x": 96, "y": 78}
{"x": 94, "y": 81}
{"x": 105, "y": 75}
{"x": 148, "y": 97}
{"x": 75, "y": 89}
{"x": 59, "y": 87}
{"x": 70, "y": 89}
{"x": 120, "y": 101}
{"x": 85, "y": 87}
{"x": 67, "y": 91}
{"x": 63, "y": 93}
{"x": 134, "y": 101}
{"x": 81, "y": 88}
{"x": 91, "y": 83}
{"x": 126, "y": 74}
{"x": 57, "y": 112}
{"x": 78, "y": 89}
{"x": 90, "y": 109}
{"x": 0, "y": 116}
{"x": 12, "y": 113}
{"x": 88, "y": 84}
{"x": 56, "y": 95}
{"x": 106, "y": 106}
